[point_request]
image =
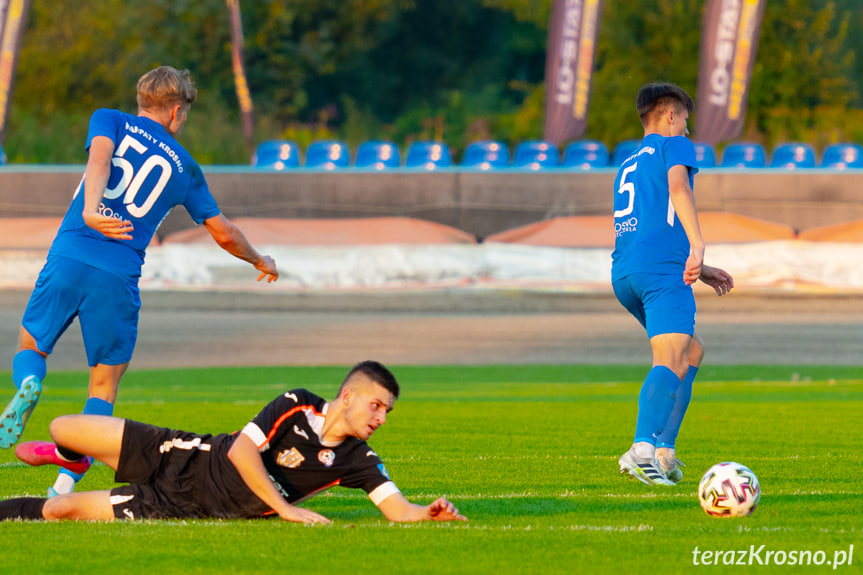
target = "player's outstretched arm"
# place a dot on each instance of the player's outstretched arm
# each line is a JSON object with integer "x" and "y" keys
{"x": 246, "y": 458}
{"x": 397, "y": 508}
{"x": 231, "y": 239}
{"x": 719, "y": 279}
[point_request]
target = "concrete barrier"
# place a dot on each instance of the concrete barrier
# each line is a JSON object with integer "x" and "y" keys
{"x": 480, "y": 203}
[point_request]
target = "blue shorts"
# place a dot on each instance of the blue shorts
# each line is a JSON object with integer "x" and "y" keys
{"x": 106, "y": 306}
{"x": 662, "y": 303}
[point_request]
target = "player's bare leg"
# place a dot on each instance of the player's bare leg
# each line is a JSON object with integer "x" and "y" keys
{"x": 105, "y": 381}
{"x": 672, "y": 351}
{"x": 696, "y": 350}
{"x": 104, "y": 384}
{"x": 86, "y": 436}
{"x": 87, "y": 505}
{"x": 98, "y": 436}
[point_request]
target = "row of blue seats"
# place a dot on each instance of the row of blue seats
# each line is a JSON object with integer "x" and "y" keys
{"x": 538, "y": 154}
{"x": 535, "y": 155}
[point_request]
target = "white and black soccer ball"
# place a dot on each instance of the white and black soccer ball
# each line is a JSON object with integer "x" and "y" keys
{"x": 729, "y": 490}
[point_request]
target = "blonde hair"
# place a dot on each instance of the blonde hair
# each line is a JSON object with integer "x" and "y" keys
{"x": 165, "y": 87}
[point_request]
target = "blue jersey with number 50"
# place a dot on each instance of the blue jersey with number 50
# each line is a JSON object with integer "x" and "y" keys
{"x": 648, "y": 234}
{"x": 150, "y": 174}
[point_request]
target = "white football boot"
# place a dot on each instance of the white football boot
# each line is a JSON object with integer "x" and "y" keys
{"x": 646, "y": 470}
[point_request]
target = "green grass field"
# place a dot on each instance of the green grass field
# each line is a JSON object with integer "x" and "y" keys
{"x": 528, "y": 454}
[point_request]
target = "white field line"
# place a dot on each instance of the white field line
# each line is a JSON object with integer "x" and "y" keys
{"x": 459, "y": 525}
{"x": 535, "y": 457}
{"x": 643, "y": 527}
{"x": 567, "y": 494}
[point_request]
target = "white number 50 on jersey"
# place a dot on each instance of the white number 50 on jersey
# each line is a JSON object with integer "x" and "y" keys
{"x": 131, "y": 183}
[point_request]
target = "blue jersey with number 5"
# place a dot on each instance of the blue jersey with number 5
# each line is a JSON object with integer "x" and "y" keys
{"x": 150, "y": 174}
{"x": 648, "y": 234}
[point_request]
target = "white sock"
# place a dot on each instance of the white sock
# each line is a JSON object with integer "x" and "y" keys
{"x": 644, "y": 450}
{"x": 64, "y": 484}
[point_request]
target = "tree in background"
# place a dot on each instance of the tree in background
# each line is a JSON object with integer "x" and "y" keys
{"x": 456, "y": 70}
{"x": 804, "y": 86}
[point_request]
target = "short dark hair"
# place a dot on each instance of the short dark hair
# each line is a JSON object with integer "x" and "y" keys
{"x": 376, "y": 372}
{"x": 657, "y": 96}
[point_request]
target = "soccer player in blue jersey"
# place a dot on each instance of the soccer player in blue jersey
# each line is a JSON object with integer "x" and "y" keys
{"x": 136, "y": 173}
{"x": 658, "y": 255}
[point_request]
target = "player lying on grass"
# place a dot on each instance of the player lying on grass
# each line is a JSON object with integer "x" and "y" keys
{"x": 297, "y": 446}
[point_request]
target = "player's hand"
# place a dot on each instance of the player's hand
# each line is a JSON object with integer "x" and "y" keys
{"x": 300, "y": 515}
{"x": 109, "y": 227}
{"x": 267, "y": 267}
{"x": 692, "y": 271}
{"x": 720, "y": 280}
{"x": 443, "y": 510}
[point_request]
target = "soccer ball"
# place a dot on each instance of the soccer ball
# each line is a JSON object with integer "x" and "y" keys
{"x": 729, "y": 490}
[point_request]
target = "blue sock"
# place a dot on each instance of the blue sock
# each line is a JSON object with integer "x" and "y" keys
{"x": 26, "y": 363}
{"x": 655, "y": 403}
{"x": 94, "y": 406}
{"x": 668, "y": 437}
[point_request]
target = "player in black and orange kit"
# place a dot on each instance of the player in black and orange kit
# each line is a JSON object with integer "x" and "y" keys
{"x": 297, "y": 446}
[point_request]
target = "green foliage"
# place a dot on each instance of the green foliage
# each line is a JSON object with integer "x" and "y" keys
{"x": 527, "y": 453}
{"x": 653, "y": 41}
{"x": 536, "y": 11}
{"x": 804, "y": 76}
{"x": 457, "y": 70}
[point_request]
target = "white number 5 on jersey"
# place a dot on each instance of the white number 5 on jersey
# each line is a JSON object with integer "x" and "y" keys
{"x": 629, "y": 188}
{"x": 626, "y": 188}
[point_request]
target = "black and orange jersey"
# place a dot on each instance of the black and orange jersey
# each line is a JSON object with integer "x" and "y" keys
{"x": 177, "y": 474}
{"x": 300, "y": 464}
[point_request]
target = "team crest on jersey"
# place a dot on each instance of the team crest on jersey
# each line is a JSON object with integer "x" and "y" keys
{"x": 326, "y": 456}
{"x": 290, "y": 458}
{"x": 383, "y": 470}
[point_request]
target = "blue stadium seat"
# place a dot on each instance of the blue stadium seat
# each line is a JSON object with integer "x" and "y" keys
{"x": 2, "y": 156}
{"x": 705, "y": 155}
{"x": 793, "y": 155}
{"x": 623, "y": 150}
{"x": 842, "y": 156}
{"x": 327, "y": 155}
{"x": 536, "y": 155}
{"x": 486, "y": 155}
{"x": 428, "y": 155}
{"x": 744, "y": 155}
{"x": 378, "y": 154}
{"x": 585, "y": 154}
{"x": 277, "y": 154}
